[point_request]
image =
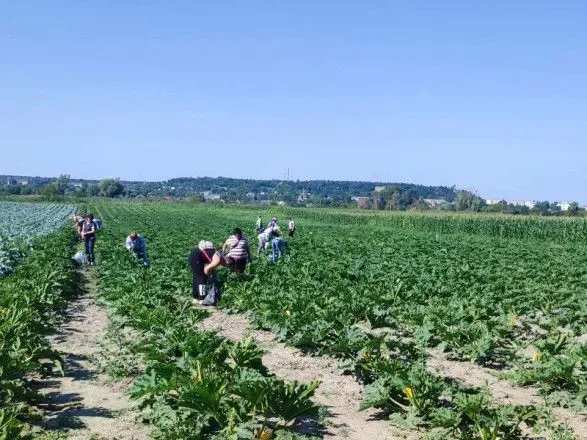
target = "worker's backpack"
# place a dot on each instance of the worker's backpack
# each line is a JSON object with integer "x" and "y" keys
{"x": 97, "y": 224}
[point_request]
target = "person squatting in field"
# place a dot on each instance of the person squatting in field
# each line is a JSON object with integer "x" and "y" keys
{"x": 204, "y": 259}
{"x": 138, "y": 246}
{"x": 236, "y": 251}
{"x": 88, "y": 234}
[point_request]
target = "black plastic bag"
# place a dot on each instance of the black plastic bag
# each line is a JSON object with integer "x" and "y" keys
{"x": 212, "y": 295}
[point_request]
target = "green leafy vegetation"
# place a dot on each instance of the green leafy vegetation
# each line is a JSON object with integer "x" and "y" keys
{"x": 375, "y": 291}
{"x": 193, "y": 384}
{"x": 378, "y": 291}
{"x": 29, "y": 301}
{"x": 21, "y": 224}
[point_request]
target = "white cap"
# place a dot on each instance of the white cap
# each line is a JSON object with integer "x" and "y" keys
{"x": 203, "y": 245}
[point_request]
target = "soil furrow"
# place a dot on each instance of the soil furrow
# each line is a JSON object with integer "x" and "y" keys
{"x": 81, "y": 401}
{"x": 341, "y": 394}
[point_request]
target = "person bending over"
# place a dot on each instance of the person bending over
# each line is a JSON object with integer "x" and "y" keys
{"x": 137, "y": 245}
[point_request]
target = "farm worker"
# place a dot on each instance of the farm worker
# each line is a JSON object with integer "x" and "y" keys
{"x": 277, "y": 248}
{"x": 265, "y": 237}
{"x": 137, "y": 245}
{"x": 203, "y": 260}
{"x": 79, "y": 222}
{"x": 273, "y": 222}
{"x": 291, "y": 227}
{"x": 238, "y": 253}
{"x": 259, "y": 224}
{"x": 88, "y": 234}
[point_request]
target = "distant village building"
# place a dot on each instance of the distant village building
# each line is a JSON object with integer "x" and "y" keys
{"x": 433, "y": 203}
{"x": 529, "y": 203}
{"x": 362, "y": 202}
{"x": 378, "y": 189}
{"x": 281, "y": 203}
{"x": 564, "y": 206}
{"x": 305, "y": 195}
{"x": 208, "y": 195}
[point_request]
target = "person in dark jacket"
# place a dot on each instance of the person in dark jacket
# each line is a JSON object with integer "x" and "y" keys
{"x": 88, "y": 234}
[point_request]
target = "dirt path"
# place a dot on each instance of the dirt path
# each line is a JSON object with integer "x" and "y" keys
{"x": 82, "y": 402}
{"x": 340, "y": 394}
{"x": 502, "y": 391}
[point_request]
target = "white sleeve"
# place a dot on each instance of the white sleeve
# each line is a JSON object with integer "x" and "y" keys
{"x": 128, "y": 243}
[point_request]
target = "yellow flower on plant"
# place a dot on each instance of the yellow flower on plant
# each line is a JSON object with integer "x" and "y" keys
{"x": 409, "y": 392}
{"x": 536, "y": 357}
{"x": 265, "y": 434}
{"x": 365, "y": 357}
{"x": 287, "y": 313}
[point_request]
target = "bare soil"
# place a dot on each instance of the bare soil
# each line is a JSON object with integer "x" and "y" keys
{"x": 83, "y": 403}
{"x": 502, "y": 391}
{"x": 340, "y": 394}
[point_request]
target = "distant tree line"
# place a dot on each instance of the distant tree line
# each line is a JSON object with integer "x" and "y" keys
{"x": 313, "y": 192}
{"x": 379, "y": 195}
{"x": 61, "y": 186}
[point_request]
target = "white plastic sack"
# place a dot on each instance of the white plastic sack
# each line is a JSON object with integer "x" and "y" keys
{"x": 80, "y": 257}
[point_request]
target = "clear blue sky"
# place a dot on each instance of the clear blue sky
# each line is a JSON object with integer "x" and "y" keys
{"x": 490, "y": 96}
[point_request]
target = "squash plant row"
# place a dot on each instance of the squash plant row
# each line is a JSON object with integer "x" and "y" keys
{"x": 29, "y": 301}
{"x": 379, "y": 298}
{"x": 191, "y": 384}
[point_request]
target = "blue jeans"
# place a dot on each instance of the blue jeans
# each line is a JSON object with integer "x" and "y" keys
{"x": 90, "y": 248}
{"x": 141, "y": 255}
{"x": 277, "y": 248}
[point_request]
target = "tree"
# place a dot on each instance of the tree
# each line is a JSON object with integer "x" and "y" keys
{"x": 62, "y": 183}
{"x": 111, "y": 188}
{"x": 541, "y": 208}
{"x": 82, "y": 190}
{"x": 92, "y": 190}
{"x": 420, "y": 205}
{"x": 573, "y": 210}
{"x": 468, "y": 201}
{"x": 49, "y": 190}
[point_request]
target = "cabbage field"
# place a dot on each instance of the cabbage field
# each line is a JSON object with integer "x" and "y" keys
{"x": 22, "y": 223}
{"x": 385, "y": 295}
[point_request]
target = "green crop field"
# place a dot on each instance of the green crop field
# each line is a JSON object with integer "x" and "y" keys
{"x": 381, "y": 293}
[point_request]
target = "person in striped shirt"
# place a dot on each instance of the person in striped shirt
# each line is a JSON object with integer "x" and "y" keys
{"x": 236, "y": 251}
